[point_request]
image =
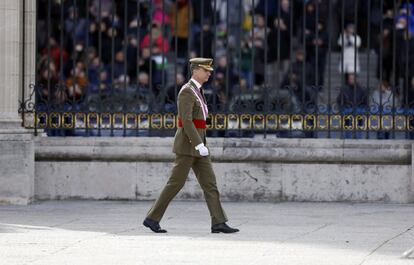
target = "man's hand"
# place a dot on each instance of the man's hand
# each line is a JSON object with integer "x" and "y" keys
{"x": 202, "y": 149}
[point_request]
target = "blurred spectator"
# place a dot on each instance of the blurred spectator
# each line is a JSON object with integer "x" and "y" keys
{"x": 147, "y": 65}
{"x": 271, "y": 7}
{"x": 297, "y": 82}
{"x": 316, "y": 50}
{"x": 405, "y": 52}
{"x": 143, "y": 81}
{"x": 385, "y": 43}
{"x": 158, "y": 45}
{"x": 94, "y": 29}
{"x": 310, "y": 18}
{"x": 98, "y": 76}
{"x": 407, "y": 11}
{"x": 77, "y": 55}
{"x": 186, "y": 68}
{"x": 202, "y": 10}
{"x": 223, "y": 67}
{"x": 302, "y": 69}
{"x": 77, "y": 82}
{"x": 159, "y": 15}
{"x": 348, "y": 12}
{"x": 206, "y": 38}
{"x": 278, "y": 41}
{"x": 70, "y": 26}
{"x": 221, "y": 12}
{"x": 172, "y": 91}
{"x": 76, "y": 26}
{"x": 352, "y": 95}
{"x": 316, "y": 41}
{"x": 291, "y": 84}
{"x": 258, "y": 42}
{"x": 143, "y": 92}
{"x": 119, "y": 66}
{"x": 100, "y": 79}
{"x": 106, "y": 7}
{"x": 104, "y": 81}
{"x": 47, "y": 83}
{"x": 90, "y": 55}
{"x": 131, "y": 57}
{"x": 136, "y": 28}
{"x": 383, "y": 99}
{"x": 352, "y": 99}
{"x": 219, "y": 97}
{"x": 122, "y": 84}
{"x": 111, "y": 43}
{"x": 246, "y": 60}
{"x": 180, "y": 15}
{"x": 241, "y": 88}
{"x": 56, "y": 53}
{"x": 350, "y": 42}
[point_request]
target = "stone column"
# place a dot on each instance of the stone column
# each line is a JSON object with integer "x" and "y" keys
{"x": 16, "y": 143}
{"x": 29, "y": 57}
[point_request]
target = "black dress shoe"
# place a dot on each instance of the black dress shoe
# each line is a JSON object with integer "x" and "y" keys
{"x": 223, "y": 228}
{"x": 153, "y": 225}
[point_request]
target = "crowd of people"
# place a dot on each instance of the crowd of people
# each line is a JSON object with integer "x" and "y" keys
{"x": 132, "y": 55}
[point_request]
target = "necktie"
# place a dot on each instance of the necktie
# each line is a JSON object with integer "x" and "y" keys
{"x": 202, "y": 94}
{"x": 204, "y": 103}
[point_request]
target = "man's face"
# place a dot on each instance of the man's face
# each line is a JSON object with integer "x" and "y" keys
{"x": 201, "y": 74}
{"x": 383, "y": 87}
{"x": 350, "y": 29}
{"x": 300, "y": 57}
{"x": 180, "y": 79}
{"x": 285, "y": 5}
{"x": 351, "y": 79}
{"x": 220, "y": 79}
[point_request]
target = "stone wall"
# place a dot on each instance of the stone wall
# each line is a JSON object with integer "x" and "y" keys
{"x": 16, "y": 168}
{"x": 247, "y": 169}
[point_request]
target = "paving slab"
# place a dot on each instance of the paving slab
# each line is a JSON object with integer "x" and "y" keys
{"x": 110, "y": 232}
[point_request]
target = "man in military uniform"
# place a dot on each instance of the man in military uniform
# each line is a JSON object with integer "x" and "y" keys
{"x": 191, "y": 152}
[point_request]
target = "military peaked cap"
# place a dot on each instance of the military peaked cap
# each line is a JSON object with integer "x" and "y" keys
{"x": 205, "y": 63}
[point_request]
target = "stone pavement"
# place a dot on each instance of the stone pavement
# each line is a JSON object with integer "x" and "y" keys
{"x": 110, "y": 232}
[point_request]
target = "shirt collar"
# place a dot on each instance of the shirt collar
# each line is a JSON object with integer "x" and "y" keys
{"x": 198, "y": 85}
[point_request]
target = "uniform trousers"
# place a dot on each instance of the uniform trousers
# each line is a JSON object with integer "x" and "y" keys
{"x": 206, "y": 178}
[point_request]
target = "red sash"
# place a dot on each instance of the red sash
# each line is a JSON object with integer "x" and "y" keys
{"x": 199, "y": 124}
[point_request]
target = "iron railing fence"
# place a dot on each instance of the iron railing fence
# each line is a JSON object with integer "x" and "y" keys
{"x": 290, "y": 68}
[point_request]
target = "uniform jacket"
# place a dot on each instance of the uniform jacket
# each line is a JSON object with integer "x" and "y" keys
{"x": 189, "y": 108}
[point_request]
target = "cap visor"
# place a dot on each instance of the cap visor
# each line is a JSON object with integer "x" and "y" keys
{"x": 208, "y": 68}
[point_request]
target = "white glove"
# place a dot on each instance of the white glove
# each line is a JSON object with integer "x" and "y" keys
{"x": 202, "y": 149}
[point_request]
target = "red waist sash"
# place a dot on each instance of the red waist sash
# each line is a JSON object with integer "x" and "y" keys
{"x": 199, "y": 124}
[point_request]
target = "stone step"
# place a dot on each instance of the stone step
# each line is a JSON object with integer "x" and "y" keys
{"x": 336, "y": 78}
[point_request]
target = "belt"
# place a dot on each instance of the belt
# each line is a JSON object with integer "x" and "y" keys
{"x": 199, "y": 124}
